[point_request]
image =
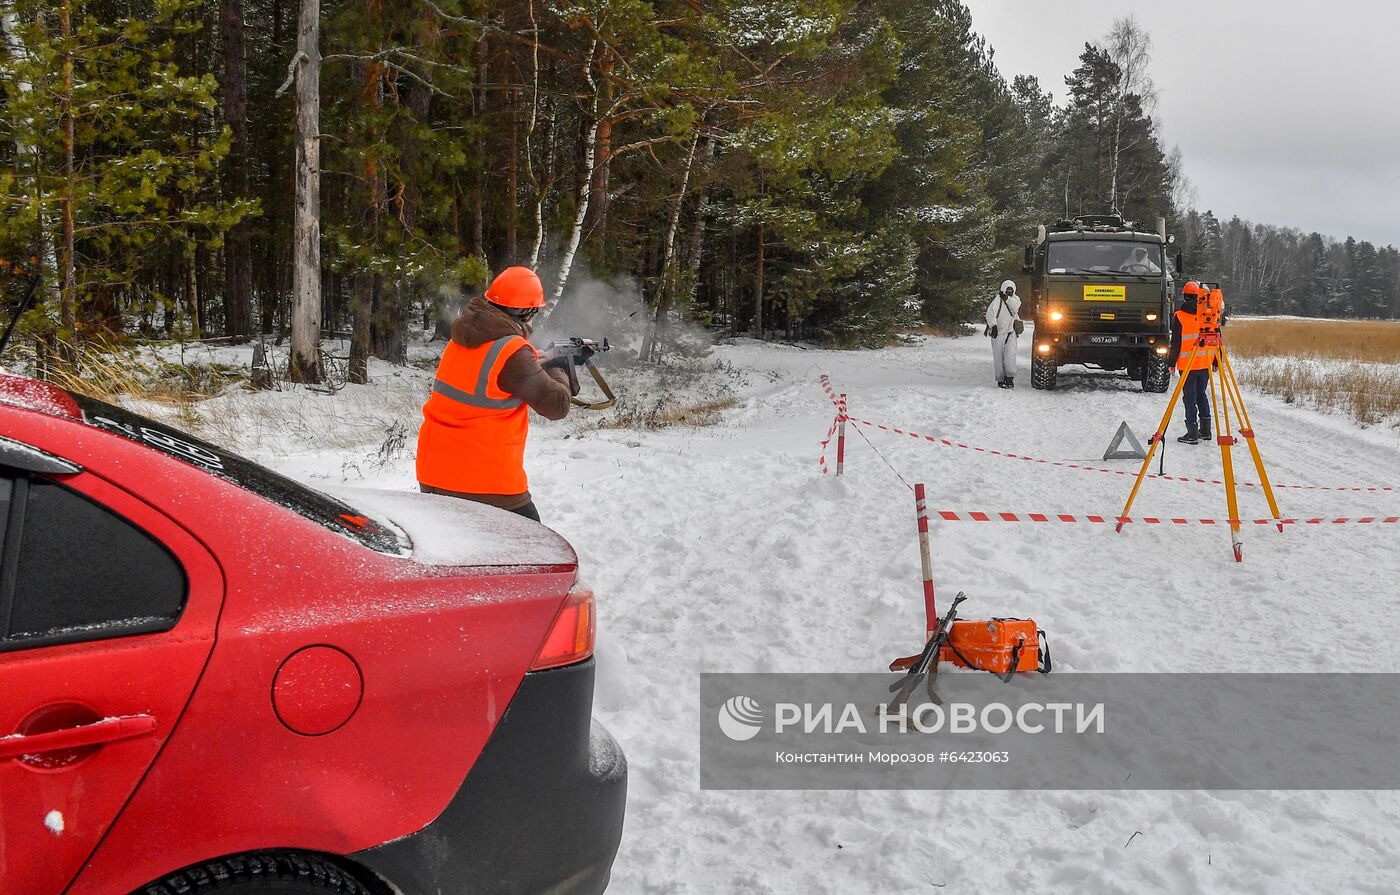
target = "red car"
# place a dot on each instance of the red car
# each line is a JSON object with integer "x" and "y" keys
{"x": 214, "y": 679}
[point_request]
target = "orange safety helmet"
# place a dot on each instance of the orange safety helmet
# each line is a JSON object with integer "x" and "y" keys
{"x": 516, "y": 287}
{"x": 1193, "y": 288}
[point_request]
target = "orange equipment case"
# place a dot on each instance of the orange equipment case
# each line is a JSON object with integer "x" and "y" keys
{"x": 998, "y": 645}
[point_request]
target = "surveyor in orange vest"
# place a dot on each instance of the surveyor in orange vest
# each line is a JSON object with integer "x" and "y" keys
{"x": 472, "y": 441}
{"x": 1186, "y": 333}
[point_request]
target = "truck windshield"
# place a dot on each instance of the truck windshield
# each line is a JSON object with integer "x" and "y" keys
{"x": 1108, "y": 256}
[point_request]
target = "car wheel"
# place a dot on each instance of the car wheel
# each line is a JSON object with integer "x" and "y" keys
{"x": 1157, "y": 377}
{"x": 1043, "y": 372}
{"x": 260, "y": 873}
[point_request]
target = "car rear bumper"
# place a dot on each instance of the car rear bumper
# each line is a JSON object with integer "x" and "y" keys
{"x": 541, "y": 810}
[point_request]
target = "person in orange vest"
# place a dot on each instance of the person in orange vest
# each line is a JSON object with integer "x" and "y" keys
{"x": 472, "y": 441}
{"x": 1186, "y": 332}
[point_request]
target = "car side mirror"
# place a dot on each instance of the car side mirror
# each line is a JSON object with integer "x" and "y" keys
{"x": 1028, "y": 263}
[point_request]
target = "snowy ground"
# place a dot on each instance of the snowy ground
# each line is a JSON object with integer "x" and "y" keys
{"x": 724, "y": 549}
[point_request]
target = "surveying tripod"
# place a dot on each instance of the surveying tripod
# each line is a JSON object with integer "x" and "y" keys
{"x": 1225, "y": 397}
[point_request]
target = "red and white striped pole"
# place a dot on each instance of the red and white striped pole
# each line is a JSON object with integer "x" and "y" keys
{"x": 841, "y": 435}
{"x": 930, "y": 608}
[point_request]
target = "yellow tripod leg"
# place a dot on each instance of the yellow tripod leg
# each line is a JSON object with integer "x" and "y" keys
{"x": 1156, "y": 439}
{"x": 1247, "y": 430}
{"x": 1225, "y": 440}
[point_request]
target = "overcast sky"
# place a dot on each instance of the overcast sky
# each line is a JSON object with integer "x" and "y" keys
{"x": 1286, "y": 112}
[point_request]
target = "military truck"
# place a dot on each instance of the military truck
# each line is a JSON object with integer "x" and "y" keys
{"x": 1102, "y": 295}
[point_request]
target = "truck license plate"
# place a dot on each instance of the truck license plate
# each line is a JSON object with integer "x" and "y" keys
{"x": 1104, "y": 340}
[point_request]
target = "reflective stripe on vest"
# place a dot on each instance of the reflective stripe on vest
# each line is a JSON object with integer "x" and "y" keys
{"x": 477, "y": 397}
{"x": 1190, "y": 335}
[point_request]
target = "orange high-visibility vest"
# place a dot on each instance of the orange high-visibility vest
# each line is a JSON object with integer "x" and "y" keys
{"x": 473, "y": 434}
{"x": 1190, "y": 335}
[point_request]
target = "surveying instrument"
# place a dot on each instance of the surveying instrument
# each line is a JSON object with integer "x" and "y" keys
{"x": 1227, "y": 406}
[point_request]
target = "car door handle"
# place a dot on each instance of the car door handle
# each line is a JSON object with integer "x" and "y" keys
{"x": 108, "y": 730}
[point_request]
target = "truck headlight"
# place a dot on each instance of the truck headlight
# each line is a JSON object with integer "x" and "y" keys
{"x": 1151, "y": 315}
{"x": 1057, "y": 315}
{"x": 1043, "y": 348}
{"x": 1162, "y": 350}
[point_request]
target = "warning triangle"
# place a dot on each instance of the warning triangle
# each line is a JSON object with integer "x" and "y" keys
{"x": 1116, "y": 451}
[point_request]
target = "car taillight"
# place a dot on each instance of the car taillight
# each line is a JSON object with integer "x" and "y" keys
{"x": 570, "y": 637}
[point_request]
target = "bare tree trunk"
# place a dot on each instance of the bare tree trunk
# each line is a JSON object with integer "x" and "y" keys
{"x": 306, "y": 225}
{"x": 758, "y": 287}
{"x": 362, "y": 307}
{"x": 68, "y": 292}
{"x": 654, "y": 342}
{"x": 478, "y": 197}
{"x": 604, "y": 154}
{"x": 511, "y": 210}
{"x": 1129, "y": 47}
{"x": 238, "y": 268}
{"x": 192, "y": 292}
{"x": 536, "y": 189}
{"x": 697, "y": 231}
{"x": 585, "y": 183}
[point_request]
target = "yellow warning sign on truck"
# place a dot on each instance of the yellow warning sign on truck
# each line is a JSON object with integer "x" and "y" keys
{"x": 1104, "y": 292}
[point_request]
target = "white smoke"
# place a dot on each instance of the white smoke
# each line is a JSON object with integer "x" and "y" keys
{"x": 615, "y": 309}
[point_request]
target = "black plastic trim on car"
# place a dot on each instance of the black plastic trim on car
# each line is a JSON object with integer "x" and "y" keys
{"x": 540, "y": 811}
{"x": 18, "y": 455}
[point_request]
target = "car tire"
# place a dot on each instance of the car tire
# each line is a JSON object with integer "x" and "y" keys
{"x": 1043, "y": 372}
{"x": 1157, "y": 377}
{"x": 261, "y": 873}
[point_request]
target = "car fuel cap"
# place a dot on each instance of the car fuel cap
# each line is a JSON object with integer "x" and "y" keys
{"x": 317, "y": 689}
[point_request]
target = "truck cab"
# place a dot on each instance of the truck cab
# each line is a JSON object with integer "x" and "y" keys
{"x": 1102, "y": 293}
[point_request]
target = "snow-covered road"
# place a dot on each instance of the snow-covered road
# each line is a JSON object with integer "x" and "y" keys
{"x": 725, "y": 549}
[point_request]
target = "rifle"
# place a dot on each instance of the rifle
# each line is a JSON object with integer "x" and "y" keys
{"x": 568, "y": 355}
{"x": 925, "y": 665}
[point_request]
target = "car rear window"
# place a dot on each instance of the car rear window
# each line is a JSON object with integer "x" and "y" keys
{"x": 306, "y": 502}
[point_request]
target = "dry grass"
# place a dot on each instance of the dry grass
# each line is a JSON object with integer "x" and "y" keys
{"x": 1376, "y": 342}
{"x": 663, "y": 413}
{"x": 113, "y": 373}
{"x": 1348, "y": 367}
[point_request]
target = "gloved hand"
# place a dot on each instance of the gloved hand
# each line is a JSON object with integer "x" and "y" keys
{"x": 585, "y": 353}
{"x": 992, "y": 331}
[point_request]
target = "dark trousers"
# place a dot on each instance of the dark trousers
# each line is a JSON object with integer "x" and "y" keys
{"x": 1196, "y": 395}
{"x": 527, "y": 509}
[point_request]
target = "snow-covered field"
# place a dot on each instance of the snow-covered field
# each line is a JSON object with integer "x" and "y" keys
{"x": 723, "y": 548}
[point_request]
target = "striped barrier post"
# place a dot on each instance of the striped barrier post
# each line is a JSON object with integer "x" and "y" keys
{"x": 930, "y": 608}
{"x": 841, "y": 436}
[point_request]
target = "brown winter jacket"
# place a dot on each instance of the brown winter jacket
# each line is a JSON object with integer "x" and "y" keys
{"x": 545, "y": 391}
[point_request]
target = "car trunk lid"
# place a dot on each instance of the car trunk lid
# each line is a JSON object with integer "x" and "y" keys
{"x": 450, "y": 531}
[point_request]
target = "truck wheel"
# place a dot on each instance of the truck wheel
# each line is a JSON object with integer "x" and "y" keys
{"x": 260, "y": 873}
{"x": 1157, "y": 377}
{"x": 1043, "y": 371}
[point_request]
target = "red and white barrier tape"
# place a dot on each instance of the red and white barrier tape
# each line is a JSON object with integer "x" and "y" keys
{"x": 1083, "y": 467}
{"x": 978, "y": 516}
{"x": 827, "y": 441}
